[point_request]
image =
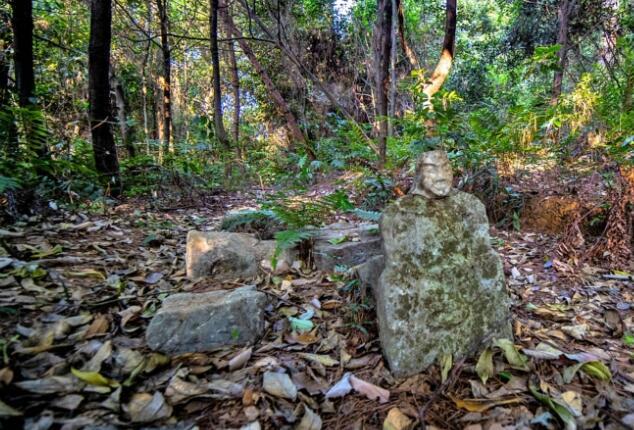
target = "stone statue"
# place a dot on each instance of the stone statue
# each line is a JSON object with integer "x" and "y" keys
{"x": 433, "y": 175}
{"x": 442, "y": 290}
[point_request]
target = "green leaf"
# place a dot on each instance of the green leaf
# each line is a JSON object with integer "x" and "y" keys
{"x": 594, "y": 369}
{"x": 628, "y": 339}
{"x": 338, "y": 240}
{"x": 94, "y": 378}
{"x": 597, "y": 370}
{"x": 484, "y": 367}
{"x": 446, "y": 361}
{"x": 8, "y": 411}
{"x": 301, "y": 326}
{"x": 557, "y": 407}
{"x": 515, "y": 359}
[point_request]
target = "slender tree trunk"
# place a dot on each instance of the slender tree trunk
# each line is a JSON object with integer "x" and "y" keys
{"x": 382, "y": 50}
{"x": 291, "y": 122}
{"x": 144, "y": 79}
{"x": 23, "y": 50}
{"x": 104, "y": 149}
{"x": 8, "y": 130}
{"x": 126, "y": 134}
{"x": 563, "y": 14}
{"x": 409, "y": 52}
{"x": 235, "y": 85}
{"x": 215, "y": 63}
{"x": 441, "y": 71}
{"x": 5, "y": 63}
{"x": 166, "y": 80}
{"x": 392, "y": 94}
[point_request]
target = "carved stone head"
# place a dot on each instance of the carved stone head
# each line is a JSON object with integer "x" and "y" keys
{"x": 433, "y": 175}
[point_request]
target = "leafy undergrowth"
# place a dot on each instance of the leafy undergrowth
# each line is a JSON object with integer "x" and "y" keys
{"x": 77, "y": 291}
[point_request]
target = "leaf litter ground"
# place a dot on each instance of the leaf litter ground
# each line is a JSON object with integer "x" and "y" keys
{"x": 77, "y": 291}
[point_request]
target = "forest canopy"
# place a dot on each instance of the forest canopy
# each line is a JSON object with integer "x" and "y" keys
{"x": 235, "y": 92}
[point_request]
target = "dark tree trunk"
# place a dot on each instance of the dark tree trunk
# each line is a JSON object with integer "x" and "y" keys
{"x": 563, "y": 14}
{"x": 23, "y": 50}
{"x": 382, "y": 49}
{"x": 5, "y": 63}
{"x": 215, "y": 63}
{"x": 167, "y": 73}
{"x": 104, "y": 149}
{"x": 126, "y": 132}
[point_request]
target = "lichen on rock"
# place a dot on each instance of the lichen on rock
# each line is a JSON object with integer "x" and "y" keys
{"x": 442, "y": 290}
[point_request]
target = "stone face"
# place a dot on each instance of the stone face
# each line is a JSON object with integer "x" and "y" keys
{"x": 195, "y": 322}
{"x": 442, "y": 290}
{"x": 225, "y": 256}
{"x": 345, "y": 245}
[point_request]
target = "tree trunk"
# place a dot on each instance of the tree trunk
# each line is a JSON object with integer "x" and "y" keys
{"x": 166, "y": 79}
{"x": 392, "y": 94}
{"x": 441, "y": 71}
{"x": 282, "y": 106}
{"x": 5, "y": 63}
{"x": 235, "y": 85}
{"x": 215, "y": 63}
{"x": 563, "y": 13}
{"x": 23, "y": 51}
{"x": 126, "y": 135}
{"x": 104, "y": 149}
{"x": 144, "y": 78}
{"x": 409, "y": 52}
{"x": 382, "y": 49}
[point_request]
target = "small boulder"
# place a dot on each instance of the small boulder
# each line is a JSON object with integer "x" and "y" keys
{"x": 196, "y": 322}
{"x": 224, "y": 256}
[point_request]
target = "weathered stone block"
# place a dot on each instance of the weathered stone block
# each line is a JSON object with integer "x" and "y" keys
{"x": 368, "y": 273}
{"x": 224, "y": 256}
{"x": 442, "y": 290}
{"x": 358, "y": 244}
{"x": 194, "y": 322}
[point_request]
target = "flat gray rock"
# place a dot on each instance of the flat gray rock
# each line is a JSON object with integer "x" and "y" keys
{"x": 442, "y": 290}
{"x": 196, "y": 322}
{"x": 345, "y": 245}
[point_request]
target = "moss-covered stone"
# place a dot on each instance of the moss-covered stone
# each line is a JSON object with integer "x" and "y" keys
{"x": 442, "y": 290}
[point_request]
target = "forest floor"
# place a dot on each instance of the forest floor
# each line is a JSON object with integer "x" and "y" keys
{"x": 77, "y": 292}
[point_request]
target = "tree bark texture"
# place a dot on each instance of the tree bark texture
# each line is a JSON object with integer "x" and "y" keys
{"x": 5, "y": 63}
{"x": 235, "y": 85}
{"x": 393, "y": 59}
{"x": 382, "y": 50}
{"x": 441, "y": 71}
{"x": 409, "y": 52}
{"x": 166, "y": 79}
{"x": 215, "y": 63}
{"x": 23, "y": 50}
{"x": 126, "y": 135}
{"x": 104, "y": 149}
{"x": 563, "y": 15}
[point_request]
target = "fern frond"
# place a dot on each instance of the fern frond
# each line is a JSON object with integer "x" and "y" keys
{"x": 288, "y": 239}
{"x": 367, "y": 215}
{"x": 234, "y": 221}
